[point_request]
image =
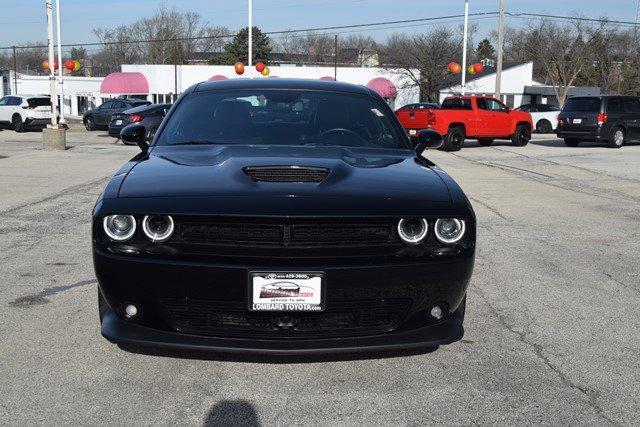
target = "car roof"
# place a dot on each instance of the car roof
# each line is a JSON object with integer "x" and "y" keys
{"x": 147, "y": 107}
{"x": 282, "y": 83}
{"x": 29, "y": 95}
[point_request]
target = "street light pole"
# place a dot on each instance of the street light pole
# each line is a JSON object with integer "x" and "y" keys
{"x": 250, "y": 56}
{"x": 62, "y": 121}
{"x": 52, "y": 77}
{"x": 464, "y": 47}
{"x": 498, "y": 93}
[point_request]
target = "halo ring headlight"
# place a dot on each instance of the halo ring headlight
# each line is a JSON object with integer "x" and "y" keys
{"x": 118, "y": 227}
{"x": 449, "y": 230}
{"x": 158, "y": 228}
{"x": 413, "y": 230}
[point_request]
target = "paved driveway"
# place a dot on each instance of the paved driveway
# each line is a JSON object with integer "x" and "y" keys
{"x": 552, "y": 326}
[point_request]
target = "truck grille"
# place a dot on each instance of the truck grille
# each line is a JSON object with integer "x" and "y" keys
{"x": 286, "y": 174}
{"x": 233, "y": 319}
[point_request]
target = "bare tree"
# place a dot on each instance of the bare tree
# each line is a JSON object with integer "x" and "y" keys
{"x": 561, "y": 52}
{"x": 422, "y": 58}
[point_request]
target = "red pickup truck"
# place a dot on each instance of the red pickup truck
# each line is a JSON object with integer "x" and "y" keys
{"x": 475, "y": 117}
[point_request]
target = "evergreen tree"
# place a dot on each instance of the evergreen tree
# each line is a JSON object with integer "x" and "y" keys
{"x": 485, "y": 50}
{"x": 237, "y": 49}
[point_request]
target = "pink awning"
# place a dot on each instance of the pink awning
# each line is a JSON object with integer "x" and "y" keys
{"x": 327, "y": 78}
{"x": 217, "y": 77}
{"x": 384, "y": 87}
{"x": 125, "y": 83}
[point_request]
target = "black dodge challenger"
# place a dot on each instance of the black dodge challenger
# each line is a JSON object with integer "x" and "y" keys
{"x": 286, "y": 217}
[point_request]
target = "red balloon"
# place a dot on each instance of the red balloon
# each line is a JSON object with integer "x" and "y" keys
{"x": 239, "y": 67}
{"x": 55, "y": 64}
{"x": 260, "y": 66}
{"x": 45, "y": 65}
{"x": 70, "y": 64}
{"x": 455, "y": 68}
{"x": 478, "y": 67}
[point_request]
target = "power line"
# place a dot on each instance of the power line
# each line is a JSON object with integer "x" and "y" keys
{"x": 281, "y": 32}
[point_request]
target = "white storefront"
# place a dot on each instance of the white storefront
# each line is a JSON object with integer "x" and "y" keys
{"x": 167, "y": 80}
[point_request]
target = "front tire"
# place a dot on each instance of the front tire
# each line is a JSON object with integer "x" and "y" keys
{"x": 616, "y": 140}
{"x": 89, "y": 124}
{"x": 544, "y": 126}
{"x": 18, "y": 124}
{"x": 522, "y": 136}
{"x": 485, "y": 142}
{"x": 571, "y": 142}
{"x": 454, "y": 139}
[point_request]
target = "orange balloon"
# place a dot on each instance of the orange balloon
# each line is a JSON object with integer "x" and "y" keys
{"x": 45, "y": 65}
{"x": 239, "y": 67}
{"x": 455, "y": 68}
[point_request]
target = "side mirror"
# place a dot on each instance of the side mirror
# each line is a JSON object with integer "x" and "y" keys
{"x": 427, "y": 139}
{"x": 135, "y": 134}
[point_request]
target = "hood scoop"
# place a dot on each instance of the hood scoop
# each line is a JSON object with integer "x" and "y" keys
{"x": 286, "y": 173}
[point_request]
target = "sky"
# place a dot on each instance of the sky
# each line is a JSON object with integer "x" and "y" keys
{"x": 23, "y": 21}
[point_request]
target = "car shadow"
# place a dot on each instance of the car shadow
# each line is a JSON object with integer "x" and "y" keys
{"x": 275, "y": 359}
{"x": 586, "y": 144}
{"x": 232, "y": 413}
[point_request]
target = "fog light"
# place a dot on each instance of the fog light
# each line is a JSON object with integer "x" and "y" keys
{"x": 436, "y": 312}
{"x": 130, "y": 311}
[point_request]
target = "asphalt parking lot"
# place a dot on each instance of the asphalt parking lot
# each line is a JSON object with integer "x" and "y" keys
{"x": 552, "y": 324}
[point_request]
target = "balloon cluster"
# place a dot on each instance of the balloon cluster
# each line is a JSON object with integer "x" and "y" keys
{"x": 70, "y": 64}
{"x": 260, "y": 67}
{"x": 476, "y": 68}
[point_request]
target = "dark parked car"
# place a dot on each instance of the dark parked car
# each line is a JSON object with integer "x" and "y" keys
{"x": 99, "y": 118}
{"x": 150, "y": 116}
{"x": 611, "y": 119}
{"x": 309, "y": 188}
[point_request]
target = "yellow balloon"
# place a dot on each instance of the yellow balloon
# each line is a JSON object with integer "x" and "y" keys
{"x": 266, "y": 71}
{"x": 76, "y": 66}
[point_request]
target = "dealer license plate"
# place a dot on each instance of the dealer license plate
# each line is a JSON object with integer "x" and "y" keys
{"x": 286, "y": 291}
{"x": 118, "y": 122}
{"x": 413, "y": 132}
{"x": 577, "y": 121}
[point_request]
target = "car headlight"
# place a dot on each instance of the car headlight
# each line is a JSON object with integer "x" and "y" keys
{"x": 449, "y": 230}
{"x": 119, "y": 227}
{"x": 413, "y": 230}
{"x": 158, "y": 228}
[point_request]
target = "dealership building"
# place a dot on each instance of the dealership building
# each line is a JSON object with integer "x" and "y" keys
{"x": 163, "y": 83}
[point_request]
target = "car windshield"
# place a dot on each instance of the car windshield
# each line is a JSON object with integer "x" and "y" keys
{"x": 282, "y": 117}
{"x": 586, "y": 105}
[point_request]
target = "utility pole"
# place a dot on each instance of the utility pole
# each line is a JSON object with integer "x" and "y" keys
{"x": 464, "y": 47}
{"x": 15, "y": 72}
{"x": 54, "y": 137}
{"x": 52, "y": 77}
{"x": 60, "y": 65}
{"x": 335, "y": 58}
{"x": 498, "y": 93}
{"x": 250, "y": 56}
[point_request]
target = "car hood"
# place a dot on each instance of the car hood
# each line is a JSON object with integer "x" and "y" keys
{"x": 217, "y": 170}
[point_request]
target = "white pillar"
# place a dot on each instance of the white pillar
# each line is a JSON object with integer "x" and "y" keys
{"x": 52, "y": 77}
{"x": 464, "y": 47}
{"x": 250, "y": 53}
{"x": 60, "y": 65}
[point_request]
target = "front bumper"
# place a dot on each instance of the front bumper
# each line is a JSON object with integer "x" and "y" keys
{"x": 121, "y": 332}
{"x": 149, "y": 283}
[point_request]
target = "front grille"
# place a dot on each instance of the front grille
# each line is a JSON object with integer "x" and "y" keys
{"x": 233, "y": 319}
{"x": 286, "y": 174}
{"x": 287, "y": 233}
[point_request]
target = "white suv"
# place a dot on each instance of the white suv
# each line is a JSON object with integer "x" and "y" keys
{"x": 21, "y": 111}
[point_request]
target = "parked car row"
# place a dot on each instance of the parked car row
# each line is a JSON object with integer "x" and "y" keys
{"x": 114, "y": 115}
{"x": 611, "y": 119}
